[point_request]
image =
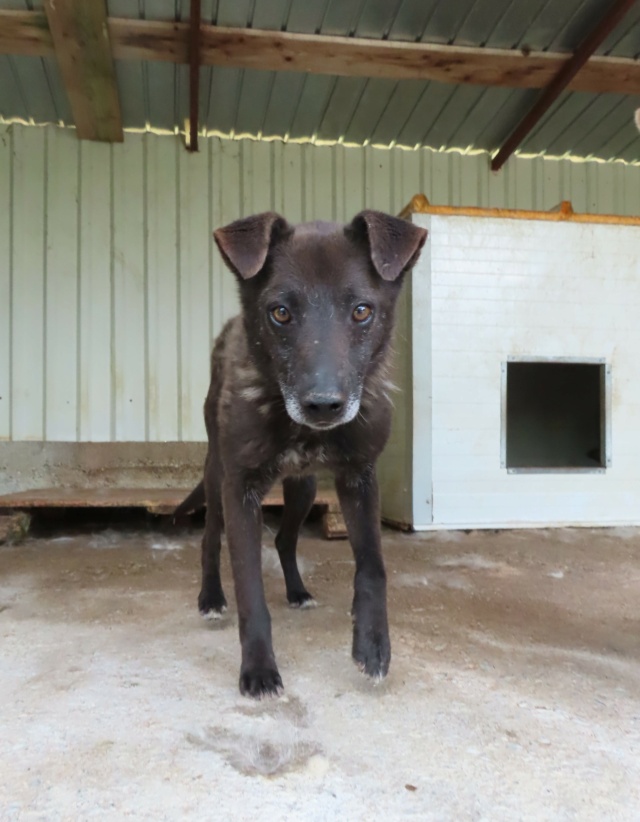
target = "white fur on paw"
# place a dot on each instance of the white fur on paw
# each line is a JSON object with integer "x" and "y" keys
{"x": 213, "y": 614}
{"x": 374, "y": 679}
{"x": 307, "y": 603}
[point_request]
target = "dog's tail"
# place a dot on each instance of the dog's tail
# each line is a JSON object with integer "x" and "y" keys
{"x": 194, "y": 502}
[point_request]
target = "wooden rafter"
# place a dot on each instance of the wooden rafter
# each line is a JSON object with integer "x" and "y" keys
{"x": 80, "y": 40}
{"x": 357, "y": 57}
{"x": 27, "y": 33}
{"x": 562, "y": 79}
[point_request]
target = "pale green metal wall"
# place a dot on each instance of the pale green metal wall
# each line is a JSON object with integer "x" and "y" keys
{"x": 110, "y": 287}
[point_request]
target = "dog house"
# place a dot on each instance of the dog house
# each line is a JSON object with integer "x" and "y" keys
{"x": 518, "y": 351}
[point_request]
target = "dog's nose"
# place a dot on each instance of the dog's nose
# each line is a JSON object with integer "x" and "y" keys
{"x": 323, "y": 407}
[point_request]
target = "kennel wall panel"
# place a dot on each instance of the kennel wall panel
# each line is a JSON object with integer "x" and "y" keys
{"x": 94, "y": 356}
{"x": 5, "y": 288}
{"x": 111, "y": 289}
{"x": 28, "y": 264}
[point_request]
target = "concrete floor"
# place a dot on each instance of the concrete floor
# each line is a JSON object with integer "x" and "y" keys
{"x": 514, "y": 691}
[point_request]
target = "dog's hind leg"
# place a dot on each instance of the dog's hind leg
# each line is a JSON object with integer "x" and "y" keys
{"x": 299, "y": 494}
{"x": 211, "y": 601}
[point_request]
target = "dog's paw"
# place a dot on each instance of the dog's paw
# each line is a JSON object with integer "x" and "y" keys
{"x": 372, "y": 653}
{"x": 212, "y": 606}
{"x": 213, "y": 613}
{"x": 259, "y": 682}
{"x": 301, "y": 599}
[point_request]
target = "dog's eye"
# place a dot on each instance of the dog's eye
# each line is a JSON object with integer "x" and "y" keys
{"x": 362, "y": 312}
{"x": 280, "y": 315}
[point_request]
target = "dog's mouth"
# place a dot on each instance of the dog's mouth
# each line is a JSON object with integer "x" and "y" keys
{"x": 321, "y": 413}
{"x": 322, "y": 426}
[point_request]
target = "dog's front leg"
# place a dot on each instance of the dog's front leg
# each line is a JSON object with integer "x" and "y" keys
{"x": 359, "y": 500}
{"x": 243, "y": 522}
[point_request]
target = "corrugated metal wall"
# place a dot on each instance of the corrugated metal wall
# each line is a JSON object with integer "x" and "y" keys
{"x": 110, "y": 287}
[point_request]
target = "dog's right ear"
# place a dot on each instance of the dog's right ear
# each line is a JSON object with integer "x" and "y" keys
{"x": 394, "y": 244}
{"x": 244, "y": 244}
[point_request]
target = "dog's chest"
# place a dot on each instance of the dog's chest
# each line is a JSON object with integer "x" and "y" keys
{"x": 300, "y": 458}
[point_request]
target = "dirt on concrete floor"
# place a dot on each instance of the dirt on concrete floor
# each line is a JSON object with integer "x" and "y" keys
{"x": 513, "y": 692}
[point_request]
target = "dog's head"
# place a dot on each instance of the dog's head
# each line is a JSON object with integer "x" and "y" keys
{"x": 318, "y": 303}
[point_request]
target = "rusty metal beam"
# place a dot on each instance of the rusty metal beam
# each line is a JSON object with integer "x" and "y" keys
{"x": 562, "y": 79}
{"x": 195, "y": 40}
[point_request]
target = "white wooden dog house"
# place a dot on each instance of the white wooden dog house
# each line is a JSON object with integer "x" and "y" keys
{"x": 518, "y": 360}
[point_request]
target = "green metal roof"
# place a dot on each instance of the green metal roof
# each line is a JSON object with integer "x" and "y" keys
{"x": 355, "y": 110}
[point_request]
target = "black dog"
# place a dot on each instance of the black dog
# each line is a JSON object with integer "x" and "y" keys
{"x": 300, "y": 381}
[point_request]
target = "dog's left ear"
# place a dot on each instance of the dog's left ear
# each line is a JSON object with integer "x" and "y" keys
{"x": 244, "y": 244}
{"x": 394, "y": 244}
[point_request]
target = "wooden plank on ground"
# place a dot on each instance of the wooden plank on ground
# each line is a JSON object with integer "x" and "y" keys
{"x": 14, "y": 528}
{"x": 155, "y": 500}
{"x": 82, "y": 47}
{"x": 333, "y": 525}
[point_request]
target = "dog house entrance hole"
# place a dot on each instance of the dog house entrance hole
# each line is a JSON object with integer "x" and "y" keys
{"x": 554, "y": 416}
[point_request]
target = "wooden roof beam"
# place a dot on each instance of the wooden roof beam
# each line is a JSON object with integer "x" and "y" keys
{"x": 562, "y": 80}
{"x": 27, "y": 33}
{"x": 359, "y": 57}
{"x": 80, "y": 39}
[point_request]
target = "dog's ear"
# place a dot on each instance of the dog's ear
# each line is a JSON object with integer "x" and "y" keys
{"x": 244, "y": 244}
{"x": 394, "y": 244}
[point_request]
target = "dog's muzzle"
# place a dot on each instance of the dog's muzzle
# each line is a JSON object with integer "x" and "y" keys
{"x": 321, "y": 411}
